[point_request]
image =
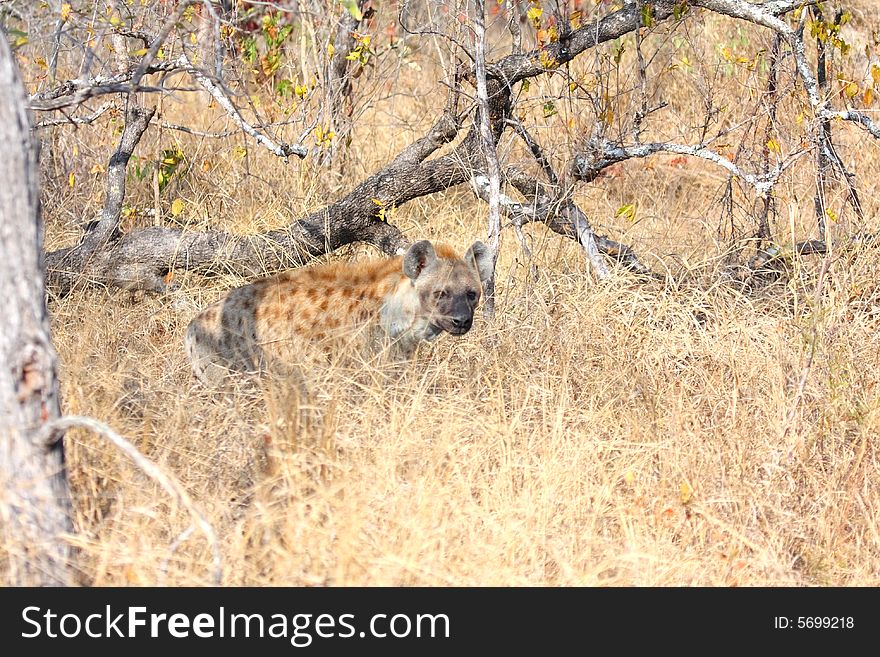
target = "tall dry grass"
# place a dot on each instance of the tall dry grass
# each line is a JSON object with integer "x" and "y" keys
{"x": 624, "y": 433}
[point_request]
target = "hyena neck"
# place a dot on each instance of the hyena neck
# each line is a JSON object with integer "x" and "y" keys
{"x": 401, "y": 317}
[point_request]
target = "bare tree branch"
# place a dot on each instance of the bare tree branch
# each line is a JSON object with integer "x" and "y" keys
{"x": 598, "y": 154}
{"x": 75, "y": 92}
{"x": 77, "y": 120}
{"x": 535, "y": 150}
{"x": 281, "y": 149}
{"x": 859, "y": 118}
{"x": 487, "y": 146}
{"x": 145, "y": 63}
{"x": 565, "y": 206}
{"x": 823, "y": 158}
{"x": 145, "y": 258}
{"x": 53, "y": 431}
{"x": 564, "y": 218}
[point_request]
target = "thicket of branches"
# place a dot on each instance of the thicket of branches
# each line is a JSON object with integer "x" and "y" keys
{"x": 321, "y": 61}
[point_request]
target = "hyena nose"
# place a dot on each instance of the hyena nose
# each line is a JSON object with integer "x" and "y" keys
{"x": 462, "y": 322}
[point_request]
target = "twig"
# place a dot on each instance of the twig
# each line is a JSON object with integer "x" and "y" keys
{"x": 555, "y": 215}
{"x": 77, "y": 120}
{"x": 823, "y": 160}
{"x": 562, "y": 220}
{"x": 857, "y": 117}
{"x": 151, "y": 54}
{"x": 527, "y": 251}
{"x": 84, "y": 93}
{"x": 642, "y": 112}
{"x": 599, "y": 154}
{"x": 180, "y": 540}
{"x": 56, "y": 47}
{"x": 513, "y": 8}
{"x": 74, "y": 92}
{"x": 197, "y": 133}
{"x": 535, "y": 149}
{"x": 402, "y": 21}
{"x": 218, "y": 44}
{"x": 54, "y": 430}
{"x": 280, "y": 149}
{"x": 565, "y": 206}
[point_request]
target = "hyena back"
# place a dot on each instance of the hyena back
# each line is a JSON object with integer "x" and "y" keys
{"x": 398, "y": 301}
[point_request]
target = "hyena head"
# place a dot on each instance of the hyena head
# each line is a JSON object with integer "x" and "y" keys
{"x": 448, "y": 287}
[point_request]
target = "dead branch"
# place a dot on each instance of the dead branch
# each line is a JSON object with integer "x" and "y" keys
{"x": 563, "y": 203}
{"x": 535, "y": 150}
{"x": 561, "y": 219}
{"x": 53, "y": 431}
{"x": 773, "y": 260}
{"x": 75, "y": 92}
{"x": 492, "y": 181}
{"x": 196, "y": 133}
{"x": 599, "y": 153}
{"x": 65, "y": 265}
{"x": 143, "y": 259}
{"x": 859, "y": 118}
{"x": 823, "y": 161}
{"x": 281, "y": 149}
{"x": 77, "y": 120}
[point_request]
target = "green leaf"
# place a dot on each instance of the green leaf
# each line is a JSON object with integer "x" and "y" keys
{"x": 249, "y": 50}
{"x": 627, "y": 211}
{"x": 352, "y": 7}
{"x": 648, "y": 15}
{"x": 17, "y": 37}
{"x": 168, "y": 164}
{"x": 284, "y": 88}
{"x": 549, "y": 109}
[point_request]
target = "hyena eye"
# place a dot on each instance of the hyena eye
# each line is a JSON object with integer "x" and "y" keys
{"x": 440, "y": 294}
{"x": 472, "y": 295}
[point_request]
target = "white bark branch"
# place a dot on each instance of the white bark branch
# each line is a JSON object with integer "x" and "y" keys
{"x": 522, "y": 213}
{"x": 487, "y": 141}
{"x": 54, "y": 430}
{"x": 600, "y": 154}
{"x": 281, "y": 149}
{"x": 77, "y": 120}
{"x": 859, "y": 118}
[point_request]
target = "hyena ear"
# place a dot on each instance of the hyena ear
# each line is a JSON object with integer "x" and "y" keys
{"x": 481, "y": 255}
{"x": 420, "y": 255}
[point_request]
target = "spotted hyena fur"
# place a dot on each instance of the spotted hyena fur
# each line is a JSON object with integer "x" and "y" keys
{"x": 398, "y": 302}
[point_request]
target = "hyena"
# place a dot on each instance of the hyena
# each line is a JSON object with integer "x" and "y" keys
{"x": 397, "y": 302}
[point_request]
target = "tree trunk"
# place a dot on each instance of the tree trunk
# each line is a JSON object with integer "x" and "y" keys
{"x": 34, "y": 498}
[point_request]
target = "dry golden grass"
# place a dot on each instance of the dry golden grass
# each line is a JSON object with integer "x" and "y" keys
{"x": 621, "y": 433}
